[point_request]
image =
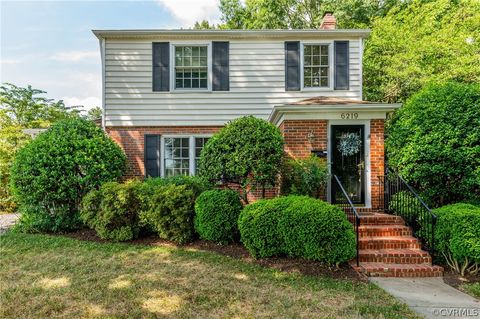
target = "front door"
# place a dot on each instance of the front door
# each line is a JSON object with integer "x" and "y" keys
{"x": 348, "y": 161}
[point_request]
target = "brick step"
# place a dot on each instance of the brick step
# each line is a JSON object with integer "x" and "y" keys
{"x": 395, "y": 256}
{"x": 373, "y": 269}
{"x": 390, "y": 242}
{"x": 381, "y": 219}
{"x": 383, "y": 230}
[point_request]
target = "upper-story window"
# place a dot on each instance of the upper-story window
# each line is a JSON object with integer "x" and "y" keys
{"x": 316, "y": 66}
{"x": 191, "y": 67}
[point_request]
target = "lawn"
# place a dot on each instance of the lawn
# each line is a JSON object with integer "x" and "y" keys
{"x": 52, "y": 276}
{"x": 472, "y": 289}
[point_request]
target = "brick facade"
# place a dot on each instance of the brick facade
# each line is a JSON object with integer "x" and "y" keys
{"x": 297, "y": 145}
{"x": 131, "y": 140}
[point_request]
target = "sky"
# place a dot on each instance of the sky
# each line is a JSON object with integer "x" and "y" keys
{"x": 49, "y": 44}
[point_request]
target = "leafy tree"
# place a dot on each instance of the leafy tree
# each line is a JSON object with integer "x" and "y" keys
{"x": 22, "y": 108}
{"x": 247, "y": 151}
{"x": 301, "y": 14}
{"x": 203, "y": 25}
{"x": 424, "y": 42}
{"x": 94, "y": 113}
{"x": 52, "y": 173}
{"x": 434, "y": 142}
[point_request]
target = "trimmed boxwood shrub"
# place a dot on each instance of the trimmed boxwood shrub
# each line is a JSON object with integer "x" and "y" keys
{"x": 258, "y": 226}
{"x": 113, "y": 210}
{"x": 297, "y": 226}
{"x": 52, "y": 173}
{"x": 194, "y": 183}
{"x": 457, "y": 236}
{"x": 216, "y": 215}
{"x": 170, "y": 212}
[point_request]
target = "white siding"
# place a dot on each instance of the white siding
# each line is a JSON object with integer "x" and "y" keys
{"x": 257, "y": 83}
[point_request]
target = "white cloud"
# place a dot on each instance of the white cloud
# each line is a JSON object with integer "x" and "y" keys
{"x": 76, "y": 56}
{"x": 10, "y": 61}
{"x": 189, "y": 11}
{"x": 88, "y": 102}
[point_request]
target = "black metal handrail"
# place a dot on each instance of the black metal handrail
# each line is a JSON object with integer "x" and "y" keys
{"x": 353, "y": 217}
{"x": 399, "y": 198}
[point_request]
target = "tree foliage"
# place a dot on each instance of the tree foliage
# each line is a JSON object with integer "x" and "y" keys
{"x": 247, "y": 151}
{"x": 22, "y": 108}
{"x": 51, "y": 174}
{"x": 300, "y": 14}
{"x": 424, "y": 42}
{"x": 434, "y": 142}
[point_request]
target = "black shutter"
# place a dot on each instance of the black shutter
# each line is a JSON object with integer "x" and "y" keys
{"x": 152, "y": 155}
{"x": 292, "y": 66}
{"x": 341, "y": 65}
{"x": 161, "y": 66}
{"x": 220, "y": 66}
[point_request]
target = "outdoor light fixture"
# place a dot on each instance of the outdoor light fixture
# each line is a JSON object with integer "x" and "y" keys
{"x": 311, "y": 137}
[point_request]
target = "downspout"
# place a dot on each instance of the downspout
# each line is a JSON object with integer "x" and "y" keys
{"x": 102, "y": 55}
{"x": 361, "y": 67}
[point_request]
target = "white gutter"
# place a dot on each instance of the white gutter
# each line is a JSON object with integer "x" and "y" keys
{"x": 239, "y": 34}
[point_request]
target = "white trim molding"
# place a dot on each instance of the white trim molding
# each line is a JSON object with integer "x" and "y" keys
{"x": 351, "y": 112}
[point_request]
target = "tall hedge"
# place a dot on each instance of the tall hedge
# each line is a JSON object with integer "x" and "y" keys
{"x": 52, "y": 173}
{"x": 457, "y": 237}
{"x": 434, "y": 142}
{"x": 247, "y": 151}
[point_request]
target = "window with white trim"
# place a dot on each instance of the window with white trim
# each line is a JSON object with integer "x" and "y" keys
{"x": 316, "y": 67}
{"x": 199, "y": 144}
{"x": 191, "y": 67}
{"x": 181, "y": 154}
{"x": 176, "y": 159}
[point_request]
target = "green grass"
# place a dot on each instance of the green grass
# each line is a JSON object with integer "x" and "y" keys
{"x": 51, "y": 277}
{"x": 472, "y": 289}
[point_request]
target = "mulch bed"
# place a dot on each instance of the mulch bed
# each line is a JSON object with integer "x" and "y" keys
{"x": 455, "y": 280}
{"x": 292, "y": 265}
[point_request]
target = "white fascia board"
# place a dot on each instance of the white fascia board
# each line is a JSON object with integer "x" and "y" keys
{"x": 329, "y": 112}
{"x": 231, "y": 34}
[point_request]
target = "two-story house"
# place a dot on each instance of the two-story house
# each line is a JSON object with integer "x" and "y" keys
{"x": 166, "y": 91}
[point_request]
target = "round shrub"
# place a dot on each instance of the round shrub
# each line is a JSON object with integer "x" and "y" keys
{"x": 113, "y": 210}
{"x": 297, "y": 226}
{"x": 247, "y": 152}
{"x": 434, "y": 142}
{"x": 52, "y": 173}
{"x": 316, "y": 230}
{"x": 216, "y": 215}
{"x": 457, "y": 236}
{"x": 170, "y": 212}
{"x": 258, "y": 226}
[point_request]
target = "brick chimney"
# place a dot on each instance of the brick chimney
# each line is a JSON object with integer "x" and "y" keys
{"x": 329, "y": 22}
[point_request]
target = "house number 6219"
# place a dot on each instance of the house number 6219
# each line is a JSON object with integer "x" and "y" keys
{"x": 349, "y": 116}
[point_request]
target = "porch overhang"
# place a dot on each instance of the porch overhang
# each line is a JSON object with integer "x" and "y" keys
{"x": 331, "y": 109}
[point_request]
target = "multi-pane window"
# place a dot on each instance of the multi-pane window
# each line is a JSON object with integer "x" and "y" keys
{"x": 315, "y": 65}
{"x": 191, "y": 67}
{"x": 176, "y": 158}
{"x": 199, "y": 143}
